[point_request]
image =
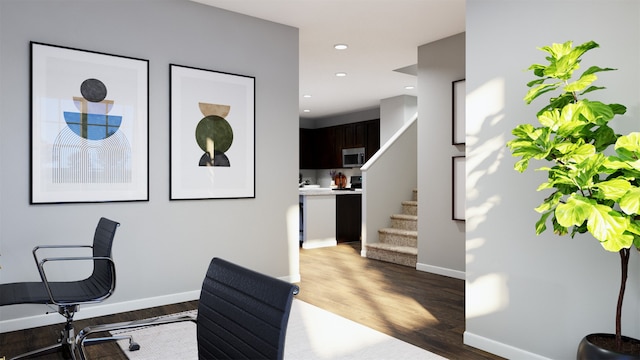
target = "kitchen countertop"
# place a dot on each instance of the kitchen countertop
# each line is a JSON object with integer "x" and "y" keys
{"x": 318, "y": 191}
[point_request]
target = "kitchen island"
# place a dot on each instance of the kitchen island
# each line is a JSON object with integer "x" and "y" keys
{"x": 325, "y": 213}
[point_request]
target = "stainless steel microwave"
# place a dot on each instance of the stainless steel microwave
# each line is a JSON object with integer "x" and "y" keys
{"x": 353, "y": 157}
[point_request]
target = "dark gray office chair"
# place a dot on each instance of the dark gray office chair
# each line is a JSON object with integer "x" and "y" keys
{"x": 68, "y": 295}
{"x": 242, "y": 314}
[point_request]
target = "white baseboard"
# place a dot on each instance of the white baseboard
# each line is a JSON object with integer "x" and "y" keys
{"x": 314, "y": 244}
{"x": 441, "y": 271}
{"x": 498, "y": 348}
{"x": 291, "y": 278}
{"x": 90, "y": 311}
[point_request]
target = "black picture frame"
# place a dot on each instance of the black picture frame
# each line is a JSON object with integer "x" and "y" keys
{"x": 211, "y": 112}
{"x": 458, "y": 193}
{"x": 458, "y": 93}
{"x": 89, "y": 126}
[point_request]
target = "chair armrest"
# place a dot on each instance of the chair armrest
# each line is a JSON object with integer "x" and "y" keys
{"x": 43, "y": 274}
{"x": 35, "y": 249}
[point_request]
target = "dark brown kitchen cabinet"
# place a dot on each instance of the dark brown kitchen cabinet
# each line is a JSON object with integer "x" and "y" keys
{"x": 372, "y": 143}
{"x": 348, "y": 217}
{"x": 322, "y": 148}
{"x": 325, "y": 139}
{"x": 354, "y": 135}
{"x": 307, "y": 149}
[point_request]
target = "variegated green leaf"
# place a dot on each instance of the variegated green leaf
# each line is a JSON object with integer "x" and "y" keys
{"x": 630, "y": 202}
{"x": 613, "y": 189}
{"x": 581, "y": 84}
{"x": 574, "y": 212}
{"x": 540, "y": 224}
{"x": 630, "y": 142}
{"x": 539, "y": 90}
{"x": 618, "y": 243}
{"x": 606, "y": 224}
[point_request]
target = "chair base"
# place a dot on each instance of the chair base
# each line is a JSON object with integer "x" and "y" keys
{"x": 84, "y": 338}
{"x": 66, "y": 344}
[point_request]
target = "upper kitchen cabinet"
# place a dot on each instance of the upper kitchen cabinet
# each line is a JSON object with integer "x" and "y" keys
{"x": 325, "y": 140}
{"x": 372, "y": 139}
{"x": 322, "y": 148}
{"x": 307, "y": 146}
{"x": 354, "y": 135}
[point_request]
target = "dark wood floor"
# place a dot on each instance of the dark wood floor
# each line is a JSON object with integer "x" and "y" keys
{"x": 423, "y": 309}
{"x": 420, "y": 308}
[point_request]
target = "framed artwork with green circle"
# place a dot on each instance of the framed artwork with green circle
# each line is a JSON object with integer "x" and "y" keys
{"x": 212, "y": 134}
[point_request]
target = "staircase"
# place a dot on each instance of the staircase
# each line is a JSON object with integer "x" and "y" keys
{"x": 399, "y": 244}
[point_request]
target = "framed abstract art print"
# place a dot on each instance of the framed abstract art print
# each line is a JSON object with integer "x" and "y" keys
{"x": 89, "y": 126}
{"x": 212, "y": 134}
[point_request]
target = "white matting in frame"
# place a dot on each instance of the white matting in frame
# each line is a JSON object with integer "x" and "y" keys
{"x": 89, "y": 126}
{"x": 212, "y": 134}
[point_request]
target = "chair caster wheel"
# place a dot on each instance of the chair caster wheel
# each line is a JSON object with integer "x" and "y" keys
{"x": 133, "y": 346}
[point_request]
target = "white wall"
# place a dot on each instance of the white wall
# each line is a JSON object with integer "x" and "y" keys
{"x": 440, "y": 239}
{"x": 163, "y": 247}
{"x": 528, "y": 296}
{"x": 394, "y": 113}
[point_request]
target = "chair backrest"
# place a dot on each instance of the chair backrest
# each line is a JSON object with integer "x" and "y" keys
{"x": 242, "y": 314}
{"x": 103, "y": 275}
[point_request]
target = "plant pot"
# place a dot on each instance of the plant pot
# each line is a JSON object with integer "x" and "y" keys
{"x": 599, "y": 346}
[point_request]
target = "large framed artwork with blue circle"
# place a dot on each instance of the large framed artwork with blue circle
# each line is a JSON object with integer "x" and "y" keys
{"x": 89, "y": 126}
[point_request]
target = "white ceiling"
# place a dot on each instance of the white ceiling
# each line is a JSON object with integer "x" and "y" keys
{"x": 383, "y": 36}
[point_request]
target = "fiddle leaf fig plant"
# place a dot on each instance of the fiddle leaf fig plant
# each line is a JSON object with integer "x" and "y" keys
{"x": 593, "y": 173}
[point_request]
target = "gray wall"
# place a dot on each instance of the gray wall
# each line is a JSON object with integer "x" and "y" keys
{"x": 163, "y": 247}
{"x": 532, "y": 296}
{"x": 394, "y": 113}
{"x": 440, "y": 240}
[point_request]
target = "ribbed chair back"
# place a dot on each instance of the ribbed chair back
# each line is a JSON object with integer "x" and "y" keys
{"x": 103, "y": 276}
{"x": 242, "y": 314}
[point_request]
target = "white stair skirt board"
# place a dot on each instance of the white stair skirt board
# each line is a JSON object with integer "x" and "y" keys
{"x": 456, "y": 274}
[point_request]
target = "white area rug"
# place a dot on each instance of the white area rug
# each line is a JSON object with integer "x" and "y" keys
{"x": 312, "y": 333}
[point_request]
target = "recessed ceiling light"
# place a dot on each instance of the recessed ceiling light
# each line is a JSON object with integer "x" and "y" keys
{"x": 306, "y": 96}
{"x": 306, "y": 110}
{"x": 341, "y": 74}
{"x": 410, "y": 87}
{"x": 340, "y": 46}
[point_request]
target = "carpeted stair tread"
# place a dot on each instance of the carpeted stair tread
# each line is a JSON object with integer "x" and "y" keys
{"x": 404, "y": 216}
{"x": 409, "y": 250}
{"x": 401, "y": 232}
